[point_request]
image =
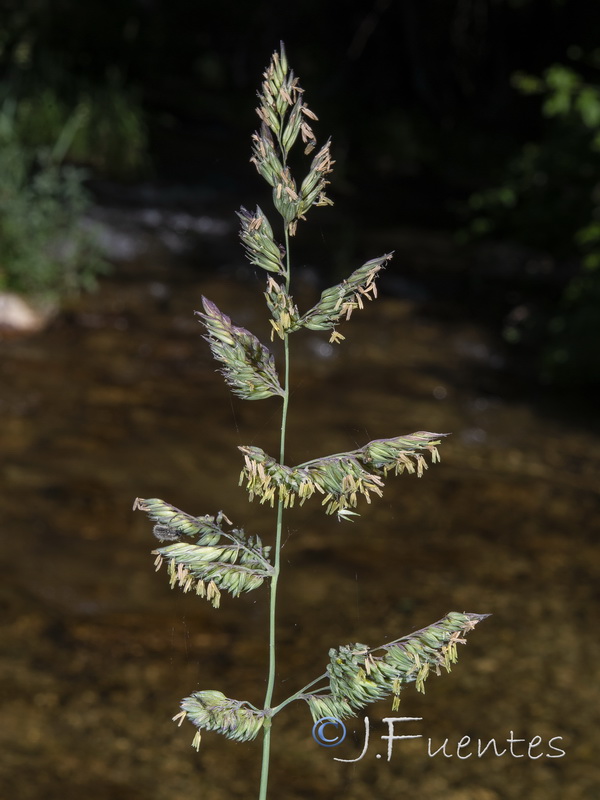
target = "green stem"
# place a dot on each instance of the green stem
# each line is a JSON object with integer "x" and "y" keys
{"x": 266, "y": 752}
{"x": 301, "y": 692}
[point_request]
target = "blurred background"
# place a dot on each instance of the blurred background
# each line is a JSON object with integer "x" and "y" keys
{"x": 467, "y": 139}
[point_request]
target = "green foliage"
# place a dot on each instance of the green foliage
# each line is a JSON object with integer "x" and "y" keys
{"x": 228, "y": 559}
{"x": 565, "y": 95}
{"x": 44, "y": 251}
{"x": 101, "y": 127}
{"x": 549, "y": 198}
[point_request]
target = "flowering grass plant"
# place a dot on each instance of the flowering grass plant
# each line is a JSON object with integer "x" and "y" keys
{"x": 207, "y": 554}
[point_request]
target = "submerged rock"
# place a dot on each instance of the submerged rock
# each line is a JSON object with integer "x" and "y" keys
{"x": 17, "y": 315}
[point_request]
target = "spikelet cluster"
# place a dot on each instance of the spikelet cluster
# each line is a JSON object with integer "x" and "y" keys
{"x": 335, "y": 305}
{"x": 340, "y": 479}
{"x": 211, "y": 710}
{"x": 172, "y": 523}
{"x": 358, "y": 675}
{"x": 248, "y": 367}
{"x": 219, "y": 560}
{"x": 259, "y": 243}
{"x": 338, "y": 302}
{"x": 402, "y": 453}
{"x": 285, "y": 317}
{"x": 284, "y": 116}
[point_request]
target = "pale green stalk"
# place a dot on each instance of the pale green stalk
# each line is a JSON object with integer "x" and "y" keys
{"x": 264, "y": 775}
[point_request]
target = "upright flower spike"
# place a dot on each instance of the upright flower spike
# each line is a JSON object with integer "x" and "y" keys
{"x": 284, "y": 116}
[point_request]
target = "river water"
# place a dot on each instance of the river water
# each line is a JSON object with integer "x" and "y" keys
{"x": 119, "y": 398}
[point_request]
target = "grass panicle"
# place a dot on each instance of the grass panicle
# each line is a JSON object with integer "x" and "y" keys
{"x": 207, "y": 554}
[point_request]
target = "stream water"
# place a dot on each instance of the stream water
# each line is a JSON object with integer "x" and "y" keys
{"x": 119, "y": 398}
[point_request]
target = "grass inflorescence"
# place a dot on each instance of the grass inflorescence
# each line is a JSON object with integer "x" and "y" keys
{"x": 206, "y": 554}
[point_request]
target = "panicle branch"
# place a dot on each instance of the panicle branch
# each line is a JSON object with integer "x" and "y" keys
{"x": 339, "y": 478}
{"x": 172, "y": 523}
{"x": 211, "y": 710}
{"x": 338, "y": 302}
{"x": 359, "y": 676}
{"x": 312, "y": 190}
{"x": 265, "y": 157}
{"x": 219, "y": 560}
{"x": 248, "y": 366}
{"x": 257, "y": 237}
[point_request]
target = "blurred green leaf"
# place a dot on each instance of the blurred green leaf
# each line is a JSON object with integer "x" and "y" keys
{"x": 44, "y": 251}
